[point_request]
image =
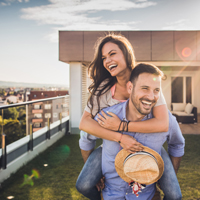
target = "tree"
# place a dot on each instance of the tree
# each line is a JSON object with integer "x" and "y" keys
{"x": 10, "y": 113}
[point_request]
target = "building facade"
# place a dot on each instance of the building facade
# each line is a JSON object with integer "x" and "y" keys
{"x": 39, "y": 113}
{"x": 176, "y": 53}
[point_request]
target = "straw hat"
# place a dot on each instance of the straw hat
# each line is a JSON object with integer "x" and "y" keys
{"x": 144, "y": 167}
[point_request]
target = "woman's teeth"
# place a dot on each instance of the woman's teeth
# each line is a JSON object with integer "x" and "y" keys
{"x": 112, "y": 66}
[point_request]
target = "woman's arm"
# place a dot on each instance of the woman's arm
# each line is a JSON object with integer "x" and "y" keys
{"x": 92, "y": 127}
{"x": 160, "y": 122}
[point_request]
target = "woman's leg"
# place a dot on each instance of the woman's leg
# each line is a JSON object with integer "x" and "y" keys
{"x": 169, "y": 182}
{"x": 90, "y": 175}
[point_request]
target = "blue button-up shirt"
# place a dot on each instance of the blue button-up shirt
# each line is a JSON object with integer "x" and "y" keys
{"x": 115, "y": 187}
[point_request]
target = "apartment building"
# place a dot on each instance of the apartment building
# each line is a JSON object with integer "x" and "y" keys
{"x": 39, "y": 113}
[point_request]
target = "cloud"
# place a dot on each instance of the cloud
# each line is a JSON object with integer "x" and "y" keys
{"x": 76, "y": 14}
{"x": 9, "y": 2}
{"x": 181, "y": 24}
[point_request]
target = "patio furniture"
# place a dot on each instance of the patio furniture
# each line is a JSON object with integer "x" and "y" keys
{"x": 184, "y": 113}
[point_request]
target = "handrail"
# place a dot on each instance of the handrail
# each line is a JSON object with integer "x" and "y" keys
{"x": 31, "y": 102}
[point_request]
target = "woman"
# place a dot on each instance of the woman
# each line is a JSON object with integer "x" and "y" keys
{"x": 110, "y": 71}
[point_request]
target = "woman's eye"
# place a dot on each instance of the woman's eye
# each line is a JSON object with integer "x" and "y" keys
{"x": 112, "y": 54}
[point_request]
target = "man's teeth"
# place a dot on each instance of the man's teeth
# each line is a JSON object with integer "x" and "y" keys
{"x": 111, "y": 66}
{"x": 146, "y": 102}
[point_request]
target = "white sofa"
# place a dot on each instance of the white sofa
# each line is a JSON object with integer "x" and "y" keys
{"x": 184, "y": 113}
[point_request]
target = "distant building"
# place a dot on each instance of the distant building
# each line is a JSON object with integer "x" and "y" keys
{"x": 2, "y": 102}
{"x": 12, "y": 99}
{"x": 38, "y": 113}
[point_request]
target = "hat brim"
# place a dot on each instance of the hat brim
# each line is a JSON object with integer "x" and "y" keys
{"x": 119, "y": 162}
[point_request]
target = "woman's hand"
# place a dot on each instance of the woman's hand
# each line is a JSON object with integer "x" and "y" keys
{"x": 111, "y": 122}
{"x": 130, "y": 144}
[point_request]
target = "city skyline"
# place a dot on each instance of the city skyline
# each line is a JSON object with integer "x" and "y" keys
{"x": 29, "y": 30}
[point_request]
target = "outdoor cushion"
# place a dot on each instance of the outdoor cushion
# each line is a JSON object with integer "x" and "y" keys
{"x": 179, "y": 113}
{"x": 178, "y": 106}
{"x": 188, "y": 108}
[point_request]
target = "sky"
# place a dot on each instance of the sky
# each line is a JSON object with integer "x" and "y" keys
{"x": 29, "y": 30}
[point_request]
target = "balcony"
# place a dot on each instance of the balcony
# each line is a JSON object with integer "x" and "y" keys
{"x": 37, "y": 111}
{"x": 20, "y": 147}
{"x": 37, "y": 120}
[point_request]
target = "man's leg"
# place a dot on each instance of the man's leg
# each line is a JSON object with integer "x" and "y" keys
{"x": 90, "y": 175}
{"x": 169, "y": 182}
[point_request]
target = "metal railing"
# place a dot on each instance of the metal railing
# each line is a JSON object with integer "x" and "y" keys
{"x": 28, "y": 141}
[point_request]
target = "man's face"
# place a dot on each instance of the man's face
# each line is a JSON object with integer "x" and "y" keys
{"x": 145, "y": 92}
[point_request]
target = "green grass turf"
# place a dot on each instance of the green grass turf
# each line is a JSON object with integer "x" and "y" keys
{"x": 57, "y": 180}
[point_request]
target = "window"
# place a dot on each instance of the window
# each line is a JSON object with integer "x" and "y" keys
{"x": 64, "y": 105}
{"x": 47, "y": 115}
{"x": 36, "y": 125}
{"x": 47, "y": 106}
{"x": 34, "y": 95}
{"x": 38, "y": 115}
{"x": 37, "y": 106}
{"x": 177, "y": 89}
{"x": 55, "y": 115}
{"x": 56, "y": 106}
{"x": 181, "y": 89}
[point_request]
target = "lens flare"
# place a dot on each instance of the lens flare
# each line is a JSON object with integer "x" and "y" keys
{"x": 35, "y": 173}
{"x": 58, "y": 155}
{"x": 186, "y": 52}
{"x": 28, "y": 180}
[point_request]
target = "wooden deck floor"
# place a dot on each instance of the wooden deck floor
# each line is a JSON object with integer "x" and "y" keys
{"x": 191, "y": 128}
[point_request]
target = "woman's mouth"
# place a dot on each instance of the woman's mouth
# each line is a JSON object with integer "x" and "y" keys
{"x": 111, "y": 67}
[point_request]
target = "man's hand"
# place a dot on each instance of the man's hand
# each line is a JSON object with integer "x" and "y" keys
{"x": 130, "y": 144}
{"x": 100, "y": 185}
{"x": 85, "y": 154}
{"x": 111, "y": 122}
{"x": 175, "y": 162}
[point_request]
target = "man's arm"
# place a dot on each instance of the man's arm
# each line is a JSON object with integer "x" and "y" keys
{"x": 175, "y": 162}
{"x": 85, "y": 154}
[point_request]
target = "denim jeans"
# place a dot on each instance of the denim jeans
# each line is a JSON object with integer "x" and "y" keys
{"x": 91, "y": 174}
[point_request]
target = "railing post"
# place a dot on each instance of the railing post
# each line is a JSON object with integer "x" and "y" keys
{"x": 30, "y": 147}
{"x": 48, "y": 131}
{"x": 60, "y": 127}
{"x": 4, "y": 153}
{"x": 27, "y": 131}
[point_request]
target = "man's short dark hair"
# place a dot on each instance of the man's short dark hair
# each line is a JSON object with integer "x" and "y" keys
{"x": 145, "y": 68}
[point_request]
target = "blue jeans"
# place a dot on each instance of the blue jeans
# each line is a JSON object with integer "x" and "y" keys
{"x": 91, "y": 174}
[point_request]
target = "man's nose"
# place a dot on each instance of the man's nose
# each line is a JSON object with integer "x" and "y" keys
{"x": 151, "y": 96}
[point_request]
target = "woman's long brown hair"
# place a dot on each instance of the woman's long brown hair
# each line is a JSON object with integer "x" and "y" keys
{"x": 97, "y": 71}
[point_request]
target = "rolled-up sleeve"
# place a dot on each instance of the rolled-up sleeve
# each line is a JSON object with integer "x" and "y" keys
{"x": 87, "y": 141}
{"x": 176, "y": 141}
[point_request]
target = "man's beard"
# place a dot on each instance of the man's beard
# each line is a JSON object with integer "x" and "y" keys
{"x": 141, "y": 110}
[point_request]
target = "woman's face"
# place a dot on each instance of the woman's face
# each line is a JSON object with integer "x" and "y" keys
{"x": 113, "y": 59}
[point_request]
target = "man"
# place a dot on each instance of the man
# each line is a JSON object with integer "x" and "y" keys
{"x": 144, "y": 88}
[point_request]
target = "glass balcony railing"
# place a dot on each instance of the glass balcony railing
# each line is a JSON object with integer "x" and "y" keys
{"x": 16, "y": 120}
